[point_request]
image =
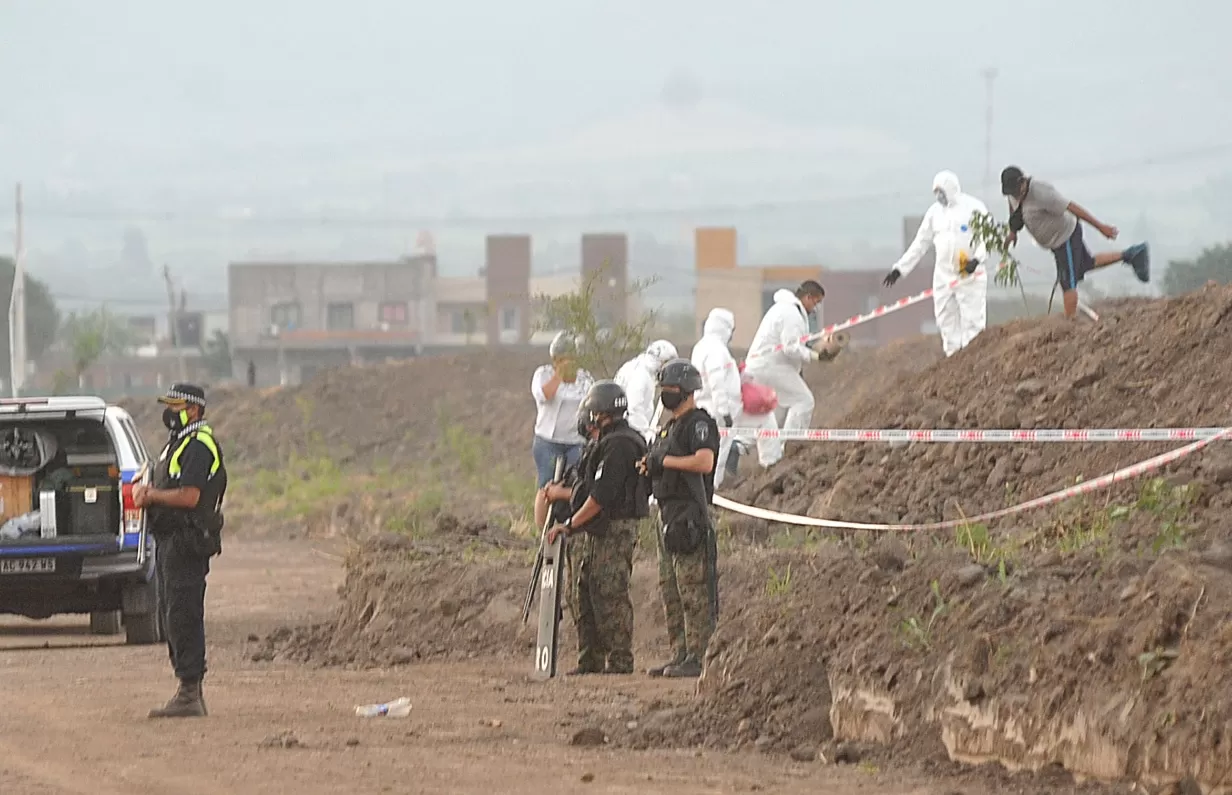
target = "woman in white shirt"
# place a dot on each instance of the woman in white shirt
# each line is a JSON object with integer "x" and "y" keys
{"x": 558, "y": 389}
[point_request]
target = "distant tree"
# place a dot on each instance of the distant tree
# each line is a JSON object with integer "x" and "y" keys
{"x": 1213, "y": 264}
{"x": 89, "y": 335}
{"x": 42, "y": 317}
{"x": 604, "y": 343}
{"x": 217, "y": 354}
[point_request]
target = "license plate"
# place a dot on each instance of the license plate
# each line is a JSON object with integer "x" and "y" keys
{"x": 27, "y": 565}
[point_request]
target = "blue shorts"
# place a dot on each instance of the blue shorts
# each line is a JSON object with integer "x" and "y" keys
{"x": 1074, "y": 260}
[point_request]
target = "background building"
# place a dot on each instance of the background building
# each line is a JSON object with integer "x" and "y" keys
{"x": 748, "y": 290}
{"x": 290, "y": 319}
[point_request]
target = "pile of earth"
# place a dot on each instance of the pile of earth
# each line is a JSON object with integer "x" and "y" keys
{"x": 394, "y": 412}
{"x": 450, "y": 597}
{"x": 1145, "y": 364}
{"x": 1113, "y": 667}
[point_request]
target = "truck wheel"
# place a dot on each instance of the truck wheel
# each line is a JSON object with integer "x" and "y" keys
{"x": 145, "y": 627}
{"x": 105, "y": 622}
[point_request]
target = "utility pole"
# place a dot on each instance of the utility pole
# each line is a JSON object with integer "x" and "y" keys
{"x": 174, "y": 320}
{"x": 990, "y": 77}
{"x": 17, "y": 305}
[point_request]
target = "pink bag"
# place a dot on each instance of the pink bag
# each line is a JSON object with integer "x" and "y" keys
{"x": 758, "y": 398}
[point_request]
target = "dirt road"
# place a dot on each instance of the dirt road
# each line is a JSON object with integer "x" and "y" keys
{"x": 73, "y": 717}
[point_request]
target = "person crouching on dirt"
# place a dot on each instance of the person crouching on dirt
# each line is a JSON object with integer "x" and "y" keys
{"x": 681, "y": 466}
{"x": 558, "y": 389}
{"x": 606, "y": 505}
{"x": 1053, "y": 221}
{"x": 184, "y": 502}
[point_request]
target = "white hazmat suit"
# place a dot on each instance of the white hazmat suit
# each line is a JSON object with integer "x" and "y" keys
{"x": 786, "y": 324}
{"x": 720, "y": 394}
{"x": 638, "y": 377}
{"x": 961, "y": 312}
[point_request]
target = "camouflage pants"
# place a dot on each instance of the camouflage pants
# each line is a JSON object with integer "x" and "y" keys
{"x": 603, "y": 608}
{"x": 669, "y": 590}
{"x": 686, "y": 583}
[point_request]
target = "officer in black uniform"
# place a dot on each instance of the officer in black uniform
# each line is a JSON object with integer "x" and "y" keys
{"x": 184, "y": 503}
{"x": 604, "y": 508}
{"x": 681, "y": 466}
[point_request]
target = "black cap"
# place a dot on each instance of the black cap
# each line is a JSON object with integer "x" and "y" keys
{"x": 1011, "y": 180}
{"x": 184, "y": 393}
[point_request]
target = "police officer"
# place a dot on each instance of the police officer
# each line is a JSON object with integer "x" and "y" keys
{"x": 606, "y": 505}
{"x": 185, "y": 515}
{"x": 681, "y": 465}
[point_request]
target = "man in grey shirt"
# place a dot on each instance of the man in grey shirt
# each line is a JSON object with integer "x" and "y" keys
{"x": 1053, "y": 221}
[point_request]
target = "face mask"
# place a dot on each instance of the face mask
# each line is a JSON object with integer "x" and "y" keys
{"x": 584, "y": 427}
{"x": 671, "y": 400}
{"x": 940, "y": 194}
{"x": 175, "y": 420}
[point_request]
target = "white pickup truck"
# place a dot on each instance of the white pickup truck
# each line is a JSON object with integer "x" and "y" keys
{"x": 71, "y": 540}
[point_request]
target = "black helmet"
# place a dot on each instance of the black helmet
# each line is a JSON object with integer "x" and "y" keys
{"x": 563, "y": 344}
{"x": 681, "y": 373}
{"x": 605, "y": 397}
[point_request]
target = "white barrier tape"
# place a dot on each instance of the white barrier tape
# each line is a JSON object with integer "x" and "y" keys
{"x": 997, "y": 435}
{"x": 1085, "y": 487}
{"x": 880, "y": 311}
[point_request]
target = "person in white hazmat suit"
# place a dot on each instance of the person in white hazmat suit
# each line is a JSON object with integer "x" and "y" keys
{"x": 638, "y": 378}
{"x": 786, "y": 325}
{"x": 963, "y": 311}
{"x": 720, "y": 393}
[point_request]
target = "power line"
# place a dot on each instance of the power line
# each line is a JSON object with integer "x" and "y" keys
{"x": 489, "y": 221}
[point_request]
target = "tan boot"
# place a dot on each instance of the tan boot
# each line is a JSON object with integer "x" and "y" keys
{"x": 186, "y": 703}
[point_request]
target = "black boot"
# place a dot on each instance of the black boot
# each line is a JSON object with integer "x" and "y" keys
{"x": 690, "y": 668}
{"x": 187, "y": 702}
{"x": 677, "y": 660}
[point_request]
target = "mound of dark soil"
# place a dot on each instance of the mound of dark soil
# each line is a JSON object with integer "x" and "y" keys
{"x": 1114, "y": 667}
{"x": 1146, "y": 364}
{"x": 391, "y": 413}
{"x": 453, "y": 597}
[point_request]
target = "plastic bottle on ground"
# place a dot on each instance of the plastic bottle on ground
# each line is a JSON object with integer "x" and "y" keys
{"x": 393, "y": 709}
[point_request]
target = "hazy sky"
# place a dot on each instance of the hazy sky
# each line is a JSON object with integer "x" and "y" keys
{"x": 133, "y": 102}
{"x": 82, "y": 76}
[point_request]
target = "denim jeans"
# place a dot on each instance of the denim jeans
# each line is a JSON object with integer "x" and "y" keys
{"x": 545, "y": 453}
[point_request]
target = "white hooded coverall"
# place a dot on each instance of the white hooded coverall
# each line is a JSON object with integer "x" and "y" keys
{"x": 961, "y": 312}
{"x": 786, "y": 323}
{"x": 720, "y": 394}
{"x": 638, "y": 377}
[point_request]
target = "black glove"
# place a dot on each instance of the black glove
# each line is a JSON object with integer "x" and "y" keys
{"x": 892, "y": 277}
{"x": 728, "y": 421}
{"x": 654, "y": 462}
{"x": 972, "y": 264}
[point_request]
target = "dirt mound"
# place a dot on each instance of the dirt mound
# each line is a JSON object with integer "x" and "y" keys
{"x": 393, "y": 413}
{"x": 1146, "y": 364}
{"x": 450, "y": 597}
{"x": 396, "y": 412}
{"x": 1112, "y": 668}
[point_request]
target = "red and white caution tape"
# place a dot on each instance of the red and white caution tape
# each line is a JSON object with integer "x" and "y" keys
{"x": 1085, "y": 487}
{"x": 996, "y": 435}
{"x": 880, "y": 311}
